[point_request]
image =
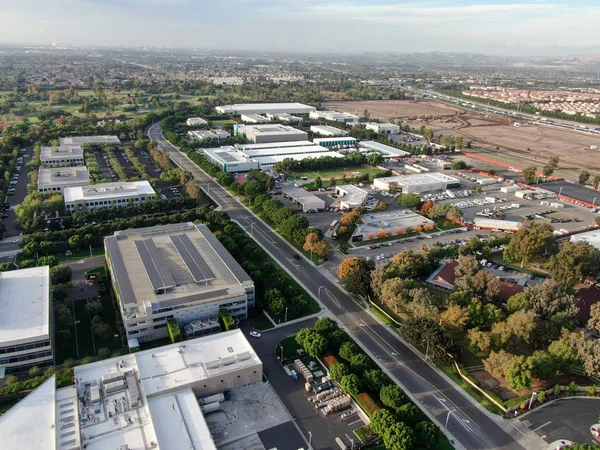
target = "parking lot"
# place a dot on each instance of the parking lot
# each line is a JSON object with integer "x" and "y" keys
{"x": 17, "y": 194}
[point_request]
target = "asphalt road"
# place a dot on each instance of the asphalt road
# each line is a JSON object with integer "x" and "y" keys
{"x": 467, "y": 422}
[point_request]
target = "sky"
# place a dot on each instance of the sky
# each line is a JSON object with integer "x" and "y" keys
{"x": 500, "y": 27}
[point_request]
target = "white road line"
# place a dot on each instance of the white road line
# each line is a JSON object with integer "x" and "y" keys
{"x": 453, "y": 414}
{"x": 356, "y": 421}
{"x": 513, "y": 425}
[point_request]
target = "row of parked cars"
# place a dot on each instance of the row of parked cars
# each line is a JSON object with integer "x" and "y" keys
{"x": 15, "y": 176}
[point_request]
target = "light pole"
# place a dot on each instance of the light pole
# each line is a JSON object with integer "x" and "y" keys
{"x": 594, "y": 201}
{"x": 285, "y": 315}
{"x": 448, "y": 416}
{"x": 282, "y": 354}
{"x": 91, "y": 254}
{"x": 310, "y": 440}
{"x": 560, "y": 191}
{"x": 319, "y": 293}
{"x": 533, "y": 396}
{"x": 427, "y": 350}
{"x": 352, "y": 442}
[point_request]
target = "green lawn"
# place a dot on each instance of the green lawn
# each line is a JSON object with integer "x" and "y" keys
{"x": 290, "y": 346}
{"x": 449, "y": 371}
{"x": 258, "y": 320}
{"x": 223, "y": 122}
{"x": 81, "y": 254}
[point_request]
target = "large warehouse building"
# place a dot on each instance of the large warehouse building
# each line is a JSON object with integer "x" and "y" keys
{"x": 383, "y": 128}
{"x": 334, "y": 116}
{"x": 55, "y": 179}
{"x": 265, "y": 133}
{"x": 61, "y": 156}
{"x": 105, "y": 195}
{"x": 305, "y": 199}
{"x": 326, "y": 130}
{"x": 25, "y": 324}
{"x": 230, "y": 160}
{"x": 265, "y": 108}
{"x": 417, "y": 183}
{"x": 146, "y": 400}
{"x": 179, "y": 272}
{"x": 385, "y": 150}
{"x": 337, "y": 142}
{"x": 92, "y": 140}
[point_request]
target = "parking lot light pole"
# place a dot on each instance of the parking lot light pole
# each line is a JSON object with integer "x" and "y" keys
{"x": 310, "y": 440}
{"x": 533, "y": 396}
{"x": 285, "y": 315}
{"x": 448, "y": 416}
{"x": 319, "y": 293}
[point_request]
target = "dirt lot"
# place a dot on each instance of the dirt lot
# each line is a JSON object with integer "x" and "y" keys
{"x": 384, "y": 109}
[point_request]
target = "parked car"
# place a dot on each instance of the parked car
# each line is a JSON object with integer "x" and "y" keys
{"x": 255, "y": 334}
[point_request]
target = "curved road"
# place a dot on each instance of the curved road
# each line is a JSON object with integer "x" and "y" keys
{"x": 468, "y": 422}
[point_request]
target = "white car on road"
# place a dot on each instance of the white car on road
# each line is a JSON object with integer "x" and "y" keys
{"x": 255, "y": 334}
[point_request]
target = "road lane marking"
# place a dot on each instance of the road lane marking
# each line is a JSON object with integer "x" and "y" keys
{"x": 542, "y": 426}
{"x": 453, "y": 414}
{"x": 513, "y": 425}
{"x": 332, "y": 297}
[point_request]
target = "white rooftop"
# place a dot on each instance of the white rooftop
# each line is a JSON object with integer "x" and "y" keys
{"x": 260, "y": 108}
{"x": 30, "y": 424}
{"x": 301, "y": 195}
{"x": 269, "y": 129}
{"x": 24, "y": 305}
{"x": 328, "y": 130}
{"x": 63, "y": 176}
{"x": 592, "y": 237}
{"x": 107, "y": 191}
{"x": 352, "y": 195}
{"x": 420, "y": 178}
{"x": 286, "y": 151}
{"x": 334, "y": 139}
{"x": 387, "y": 150}
{"x": 276, "y": 145}
{"x": 79, "y": 140}
{"x": 74, "y": 151}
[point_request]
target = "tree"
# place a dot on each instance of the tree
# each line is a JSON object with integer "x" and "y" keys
{"x": 521, "y": 324}
{"x": 339, "y": 371}
{"x": 99, "y": 328}
{"x": 550, "y": 298}
{"x": 395, "y": 292}
{"x": 409, "y": 414}
{"x": 529, "y": 174}
{"x": 422, "y": 304}
{"x": 318, "y": 182}
{"x": 480, "y": 340}
{"x": 351, "y": 384}
{"x": 378, "y": 277}
{"x": 584, "y": 176}
{"x": 530, "y": 242}
{"x": 381, "y": 421}
{"x": 423, "y": 332}
{"x": 47, "y": 261}
{"x": 348, "y": 350}
{"x": 593, "y": 323}
{"x": 375, "y": 379}
{"x": 574, "y": 261}
{"x": 355, "y": 275}
{"x": 596, "y": 181}
{"x": 399, "y": 437}
{"x": 427, "y": 434}
{"x": 314, "y": 244}
{"x": 460, "y": 165}
{"x": 410, "y": 201}
{"x": 60, "y": 274}
{"x": 275, "y": 303}
{"x": 312, "y": 341}
{"x": 563, "y": 353}
{"x": 374, "y": 159}
{"x": 360, "y": 363}
{"x": 497, "y": 362}
{"x": 454, "y": 214}
{"x": 455, "y": 317}
{"x": 407, "y": 264}
{"x": 518, "y": 373}
{"x": 393, "y": 396}
{"x": 332, "y": 182}
{"x": 75, "y": 242}
{"x": 517, "y": 302}
{"x": 7, "y": 266}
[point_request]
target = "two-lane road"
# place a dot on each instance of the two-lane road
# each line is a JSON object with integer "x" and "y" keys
{"x": 467, "y": 422}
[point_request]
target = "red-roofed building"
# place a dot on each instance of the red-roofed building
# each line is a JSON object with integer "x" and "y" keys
{"x": 586, "y": 298}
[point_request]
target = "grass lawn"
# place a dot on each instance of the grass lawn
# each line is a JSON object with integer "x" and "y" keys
{"x": 258, "y": 320}
{"x": 449, "y": 371}
{"x": 81, "y": 254}
{"x": 496, "y": 257}
{"x": 290, "y": 346}
{"x": 337, "y": 173}
{"x": 223, "y": 122}
{"x": 385, "y": 319}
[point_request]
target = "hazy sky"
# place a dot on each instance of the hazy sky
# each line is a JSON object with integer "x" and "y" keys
{"x": 489, "y": 26}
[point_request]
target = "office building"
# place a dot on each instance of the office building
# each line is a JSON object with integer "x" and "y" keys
{"x": 61, "y": 156}
{"x": 326, "y": 130}
{"x": 206, "y": 135}
{"x": 336, "y": 142}
{"x": 417, "y": 183}
{"x": 254, "y": 118}
{"x": 145, "y": 400}
{"x": 305, "y": 199}
{"x": 284, "y": 117}
{"x": 105, "y": 195}
{"x": 25, "y": 319}
{"x": 352, "y": 196}
{"x": 265, "y": 108}
{"x": 383, "y": 128}
{"x": 179, "y": 272}
{"x": 386, "y": 151}
{"x": 92, "y": 140}
{"x": 260, "y": 134}
{"x": 195, "y": 121}
{"x": 334, "y": 116}
{"x": 55, "y": 179}
{"x": 230, "y": 160}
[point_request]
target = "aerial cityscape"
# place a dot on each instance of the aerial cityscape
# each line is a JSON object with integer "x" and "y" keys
{"x": 304, "y": 226}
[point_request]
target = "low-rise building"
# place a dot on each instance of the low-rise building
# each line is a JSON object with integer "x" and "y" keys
{"x": 254, "y": 118}
{"x": 284, "y": 117}
{"x": 26, "y": 334}
{"x": 386, "y": 151}
{"x": 352, "y": 196}
{"x": 305, "y": 199}
{"x": 416, "y": 183}
{"x": 383, "y": 128}
{"x": 92, "y": 140}
{"x": 334, "y": 116}
{"x": 269, "y": 133}
{"x": 485, "y": 223}
{"x": 329, "y": 131}
{"x": 336, "y": 142}
{"x": 389, "y": 223}
{"x": 265, "y": 108}
{"x": 207, "y": 135}
{"x": 195, "y": 121}
{"x": 55, "y": 179}
{"x": 592, "y": 237}
{"x": 105, "y": 195}
{"x": 179, "y": 272}
{"x": 61, "y": 156}
{"x": 229, "y": 159}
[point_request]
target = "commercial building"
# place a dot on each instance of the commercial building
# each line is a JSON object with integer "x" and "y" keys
{"x": 337, "y": 142}
{"x": 352, "y": 196}
{"x": 334, "y": 116}
{"x": 92, "y": 140}
{"x": 591, "y": 237}
{"x": 193, "y": 121}
{"x": 254, "y": 118}
{"x": 145, "y": 400}
{"x": 265, "y": 108}
{"x": 61, "y": 156}
{"x": 206, "y": 135}
{"x": 326, "y": 130}
{"x": 393, "y": 223}
{"x": 179, "y": 272}
{"x": 260, "y": 134}
{"x": 383, "y": 128}
{"x": 25, "y": 319}
{"x": 105, "y": 195}
{"x": 484, "y": 223}
{"x": 417, "y": 183}
{"x": 385, "y": 150}
{"x": 55, "y": 179}
{"x": 284, "y": 117}
{"x": 229, "y": 159}
{"x": 304, "y": 198}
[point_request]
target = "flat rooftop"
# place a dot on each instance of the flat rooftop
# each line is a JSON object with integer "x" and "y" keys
{"x": 386, "y": 150}
{"x": 374, "y": 222}
{"x": 269, "y": 129}
{"x": 420, "y": 178}
{"x": 300, "y": 195}
{"x": 334, "y": 139}
{"x": 80, "y": 140}
{"x": 185, "y": 262}
{"x": 592, "y": 237}
{"x": 74, "y": 151}
{"x": 271, "y": 145}
{"x": 24, "y": 305}
{"x": 353, "y": 195}
{"x": 285, "y": 151}
{"x": 63, "y": 176}
{"x": 107, "y": 191}
{"x": 227, "y": 155}
{"x": 328, "y": 129}
{"x": 337, "y": 115}
{"x": 265, "y": 107}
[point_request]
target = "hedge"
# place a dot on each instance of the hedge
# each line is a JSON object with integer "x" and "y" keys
{"x": 367, "y": 404}
{"x": 227, "y": 321}
{"x": 174, "y": 330}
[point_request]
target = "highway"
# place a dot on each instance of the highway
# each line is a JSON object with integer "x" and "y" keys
{"x": 467, "y": 422}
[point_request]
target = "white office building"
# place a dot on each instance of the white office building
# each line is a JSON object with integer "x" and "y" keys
{"x": 352, "y": 196}
{"x": 25, "y": 319}
{"x": 55, "y": 179}
{"x": 195, "y": 121}
{"x": 334, "y": 116}
{"x": 416, "y": 183}
{"x": 383, "y": 128}
{"x": 304, "y": 199}
{"x": 326, "y": 130}
{"x": 105, "y": 195}
{"x": 265, "y": 108}
{"x": 261, "y": 134}
{"x": 386, "y": 151}
{"x": 206, "y": 135}
{"x": 336, "y": 142}
{"x": 230, "y": 160}
{"x": 284, "y": 117}
{"x": 591, "y": 237}
{"x": 254, "y": 118}
{"x": 92, "y": 140}
{"x": 179, "y": 272}
{"x": 61, "y": 156}
{"x": 145, "y": 400}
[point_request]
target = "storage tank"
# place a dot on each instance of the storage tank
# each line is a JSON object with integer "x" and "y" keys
{"x": 212, "y": 398}
{"x": 210, "y": 407}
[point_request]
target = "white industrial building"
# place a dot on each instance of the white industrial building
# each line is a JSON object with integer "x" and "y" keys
{"x": 417, "y": 183}
{"x": 352, "y": 196}
{"x": 179, "y": 272}
{"x": 336, "y": 142}
{"x": 304, "y": 198}
{"x": 334, "y": 116}
{"x": 392, "y": 223}
{"x": 261, "y": 134}
{"x": 254, "y": 118}
{"x": 284, "y": 117}
{"x": 194, "y": 121}
{"x": 206, "y": 135}
{"x": 229, "y": 159}
{"x": 591, "y": 237}
{"x": 326, "y": 130}
{"x": 61, "y": 156}
{"x": 55, "y": 179}
{"x": 484, "y": 223}
{"x": 92, "y": 140}
{"x": 105, "y": 195}
{"x": 386, "y": 151}
{"x": 25, "y": 320}
{"x": 265, "y": 108}
{"x": 146, "y": 400}
{"x": 383, "y": 128}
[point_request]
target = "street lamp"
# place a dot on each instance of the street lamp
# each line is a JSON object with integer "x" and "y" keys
{"x": 448, "y": 416}
{"x": 560, "y": 191}
{"x": 285, "y": 315}
{"x": 533, "y": 396}
{"x": 319, "y": 292}
{"x": 282, "y": 354}
{"x": 427, "y": 350}
{"x": 310, "y": 440}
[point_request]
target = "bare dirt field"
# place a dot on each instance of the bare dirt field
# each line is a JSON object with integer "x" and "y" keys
{"x": 384, "y": 109}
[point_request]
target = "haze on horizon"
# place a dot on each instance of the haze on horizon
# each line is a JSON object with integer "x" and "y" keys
{"x": 500, "y": 27}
